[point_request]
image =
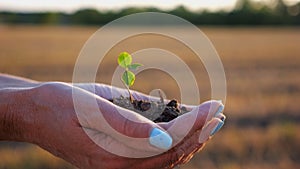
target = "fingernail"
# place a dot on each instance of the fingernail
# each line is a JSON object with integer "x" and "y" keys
{"x": 220, "y": 109}
{"x": 217, "y": 128}
{"x": 160, "y": 139}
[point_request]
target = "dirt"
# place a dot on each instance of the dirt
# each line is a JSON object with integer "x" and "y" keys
{"x": 156, "y": 111}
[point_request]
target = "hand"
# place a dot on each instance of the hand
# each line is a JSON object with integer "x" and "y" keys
{"x": 54, "y": 126}
{"x": 208, "y": 114}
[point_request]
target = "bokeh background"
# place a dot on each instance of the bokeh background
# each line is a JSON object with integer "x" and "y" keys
{"x": 258, "y": 43}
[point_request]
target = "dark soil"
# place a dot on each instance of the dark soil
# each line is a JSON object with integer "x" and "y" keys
{"x": 156, "y": 111}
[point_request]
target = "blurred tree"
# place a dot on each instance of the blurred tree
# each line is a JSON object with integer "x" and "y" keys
{"x": 280, "y": 8}
{"x": 86, "y": 16}
{"x": 50, "y": 18}
{"x": 246, "y": 12}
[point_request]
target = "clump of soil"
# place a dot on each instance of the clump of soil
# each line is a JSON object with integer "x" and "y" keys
{"x": 156, "y": 111}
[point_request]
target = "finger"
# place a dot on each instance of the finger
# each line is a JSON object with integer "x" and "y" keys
{"x": 109, "y": 92}
{"x": 196, "y": 142}
{"x": 128, "y": 127}
{"x": 134, "y": 128}
{"x": 102, "y": 90}
{"x": 205, "y": 134}
{"x": 210, "y": 129}
{"x": 193, "y": 121}
{"x": 178, "y": 154}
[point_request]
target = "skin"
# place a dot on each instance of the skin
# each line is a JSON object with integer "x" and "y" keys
{"x": 43, "y": 113}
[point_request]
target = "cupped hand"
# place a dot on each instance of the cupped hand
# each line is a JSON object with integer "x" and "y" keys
{"x": 103, "y": 135}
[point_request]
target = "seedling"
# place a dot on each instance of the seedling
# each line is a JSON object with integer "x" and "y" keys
{"x": 128, "y": 77}
{"x": 154, "y": 110}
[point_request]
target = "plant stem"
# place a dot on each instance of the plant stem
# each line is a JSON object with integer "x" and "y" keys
{"x": 130, "y": 95}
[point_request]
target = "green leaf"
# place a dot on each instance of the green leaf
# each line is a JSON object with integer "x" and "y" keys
{"x": 128, "y": 78}
{"x": 124, "y": 59}
{"x": 134, "y": 66}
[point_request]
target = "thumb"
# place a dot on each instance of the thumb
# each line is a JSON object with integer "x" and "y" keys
{"x": 133, "y": 129}
{"x": 124, "y": 126}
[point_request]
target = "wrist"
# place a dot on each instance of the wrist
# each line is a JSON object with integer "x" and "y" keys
{"x": 15, "y": 122}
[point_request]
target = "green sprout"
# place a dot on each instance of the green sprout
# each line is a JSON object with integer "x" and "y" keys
{"x": 128, "y": 77}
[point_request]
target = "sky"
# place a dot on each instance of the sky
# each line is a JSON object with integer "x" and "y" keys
{"x": 70, "y": 6}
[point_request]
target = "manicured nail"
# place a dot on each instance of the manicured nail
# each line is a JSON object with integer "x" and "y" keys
{"x": 220, "y": 109}
{"x": 160, "y": 139}
{"x": 217, "y": 128}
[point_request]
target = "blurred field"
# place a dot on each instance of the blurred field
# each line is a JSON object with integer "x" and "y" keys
{"x": 262, "y": 67}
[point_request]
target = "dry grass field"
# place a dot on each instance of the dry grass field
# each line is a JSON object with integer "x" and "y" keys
{"x": 262, "y": 67}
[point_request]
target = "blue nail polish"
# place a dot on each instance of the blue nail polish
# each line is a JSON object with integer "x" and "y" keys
{"x": 217, "y": 128}
{"x": 220, "y": 109}
{"x": 160, "y": 139}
